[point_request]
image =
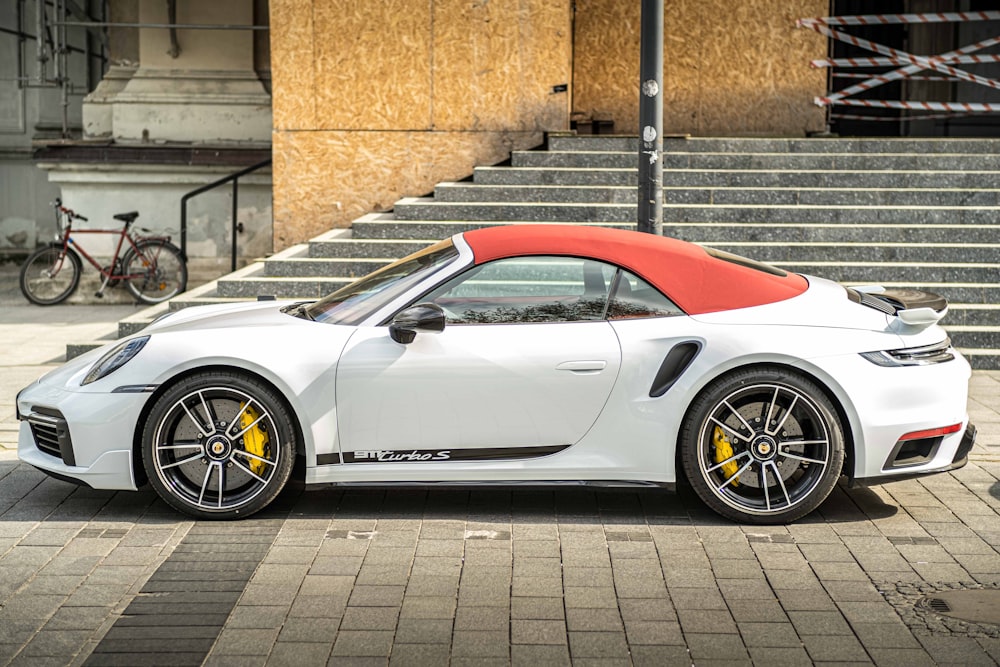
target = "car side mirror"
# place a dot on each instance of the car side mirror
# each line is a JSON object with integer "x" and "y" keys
{"x": 426, "y": 317}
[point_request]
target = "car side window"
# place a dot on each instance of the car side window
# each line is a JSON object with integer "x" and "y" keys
{"x": 635, "y": 298}
{"x": 527, "y": 289}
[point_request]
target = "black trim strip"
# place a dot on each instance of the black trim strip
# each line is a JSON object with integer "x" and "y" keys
{"x": 327, "y": 459}
{"x": 437, "y": 455}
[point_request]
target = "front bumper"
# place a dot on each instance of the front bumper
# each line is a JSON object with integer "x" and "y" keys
{"x": 79, "y": 436}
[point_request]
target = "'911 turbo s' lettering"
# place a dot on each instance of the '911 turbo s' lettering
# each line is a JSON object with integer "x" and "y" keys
{"x": 388, "y": 456}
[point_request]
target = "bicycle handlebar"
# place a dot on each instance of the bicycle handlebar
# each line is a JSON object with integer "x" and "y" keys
{"x": 67, "y": 211}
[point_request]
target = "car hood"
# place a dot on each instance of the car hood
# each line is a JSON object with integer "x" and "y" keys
{"x": 224, "y": 316}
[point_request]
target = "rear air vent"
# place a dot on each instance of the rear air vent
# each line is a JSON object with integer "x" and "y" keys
{"x": 866, "y": 299}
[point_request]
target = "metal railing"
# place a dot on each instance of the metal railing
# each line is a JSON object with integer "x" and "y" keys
{"x": 236, "y": 226}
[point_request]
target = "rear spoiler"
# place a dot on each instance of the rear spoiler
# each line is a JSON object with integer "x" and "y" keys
{"x": 912, "y": 308}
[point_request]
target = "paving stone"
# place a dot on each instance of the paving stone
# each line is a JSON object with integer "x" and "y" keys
{"x": 604, "y": 645}
{"x": 769, "y": 635}
{"x": 716, "y": 647}
{"x": 900, "y": 657}
{"x": 653, "y": 633}
{"x": 286, "y": 654}
{"x": 819, "y": 623}
{"x": 757, "y": 611}
{"x": 834, "y": 648}
{"x": 538, "y": 632}
{"x": 363, "y": 643}
{"x": 480, "y": 644}
{"x": 417, "y": 655}
{"x": 233, "y": 641}
{"x": 780, "y": 656}
{"x": 706, "y": 621}
{"x": 534, "y": 655}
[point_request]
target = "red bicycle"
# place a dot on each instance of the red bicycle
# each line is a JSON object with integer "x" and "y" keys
{"x": 152, "y": 269}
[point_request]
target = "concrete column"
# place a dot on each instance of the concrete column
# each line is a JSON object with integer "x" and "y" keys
{"x": 206, "y": 92}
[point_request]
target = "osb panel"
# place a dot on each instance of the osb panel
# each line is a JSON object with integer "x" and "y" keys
{"x": 373, "y": 64}
{"x": 496, "y": 63}
{"x": 292, "y": 71}
{"x": 327, "y": 179}
{"x": 606, "y": 61}
{"x": 757, "y": 78}
{"x": 729, "y": 68}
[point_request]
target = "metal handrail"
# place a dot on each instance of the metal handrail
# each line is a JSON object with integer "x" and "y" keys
{"x": 235, "y": 178}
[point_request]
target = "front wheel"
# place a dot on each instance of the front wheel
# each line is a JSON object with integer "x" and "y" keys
{"x": 154, "y": 271}
{"x": 50, "y": 275}
{"x": 762, "y": 445}
{"x": 219, "y": 445}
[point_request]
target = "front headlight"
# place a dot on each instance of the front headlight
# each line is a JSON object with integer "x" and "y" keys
{"x": 913, "y": 356}
{"x": 117, "y": 357}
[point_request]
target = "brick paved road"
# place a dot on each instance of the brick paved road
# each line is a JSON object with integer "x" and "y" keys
{"x": 494, "y": 576}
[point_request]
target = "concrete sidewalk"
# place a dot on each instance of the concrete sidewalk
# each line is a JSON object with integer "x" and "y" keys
{"x": 481, "y": 576}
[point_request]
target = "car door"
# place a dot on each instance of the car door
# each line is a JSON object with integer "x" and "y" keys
{"x": 522, "y": 369}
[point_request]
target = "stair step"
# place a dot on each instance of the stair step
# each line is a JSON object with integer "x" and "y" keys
{"x": 328, "y": 267}
{"x": 791, "y": 251}
{"x": 716, "y": 233}
{"x": 425, "y": 208}
{"x": 470, "y": 193}
{"x": 706, "y": 160}
{"x": 292, "y": 288}
{"x": 804, "y": 178}
{"x": 904, "y": 272}
{"x": 777, "y": 145}
{"x": 389, "y": 227}
{"x": 355, "y": 247}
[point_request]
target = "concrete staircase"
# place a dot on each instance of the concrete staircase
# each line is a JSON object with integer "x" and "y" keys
{"x": 918, "y": 213}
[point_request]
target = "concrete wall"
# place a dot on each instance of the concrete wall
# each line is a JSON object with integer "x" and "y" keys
{"x": 27, "y": 113}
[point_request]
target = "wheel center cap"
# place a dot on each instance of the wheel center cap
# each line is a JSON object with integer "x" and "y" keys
{"x": 218, "y": 447}
{"x": 764, "y": 447}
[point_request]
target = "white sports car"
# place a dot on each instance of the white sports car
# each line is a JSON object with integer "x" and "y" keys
{"x": 525, "y": 353}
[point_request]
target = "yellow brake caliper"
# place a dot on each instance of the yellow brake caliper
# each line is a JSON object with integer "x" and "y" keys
{"x": 255, "y": 440}
{"x": 723, "y": 451}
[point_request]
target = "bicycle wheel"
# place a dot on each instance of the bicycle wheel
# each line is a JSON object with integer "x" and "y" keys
{"x": 155, "y": 271}
{"x": 50, "y": 275}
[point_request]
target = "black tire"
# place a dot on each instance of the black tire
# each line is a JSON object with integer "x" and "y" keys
{"x": 190, "y": 448}
{"x": 780, "y": 452}
{"x": 48, "y": 276}
{"x": 159, "y": 271}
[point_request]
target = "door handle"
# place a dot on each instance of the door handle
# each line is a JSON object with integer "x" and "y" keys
{"x": 582, "y": 366}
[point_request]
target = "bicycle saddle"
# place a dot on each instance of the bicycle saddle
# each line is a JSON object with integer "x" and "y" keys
{"x": 127, "y": 217}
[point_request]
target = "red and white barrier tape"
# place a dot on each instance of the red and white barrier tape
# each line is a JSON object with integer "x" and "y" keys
{"x": 919, "y": 61}
{"x": 973, "y": 107}
{"x": 896, "y": 119}
{"x": 884, "y": 19}
{"x": 858, "y": 75}
{"x": 888, "y": 62}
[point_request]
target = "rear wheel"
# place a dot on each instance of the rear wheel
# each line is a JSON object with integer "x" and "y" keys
{"x": 219, "y": 445}
{"x": 50, "y": 275}
{"x": 157, "y": 271}
{"x": 762, "y": 445}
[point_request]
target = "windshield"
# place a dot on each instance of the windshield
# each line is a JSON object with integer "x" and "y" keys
{"x": 355, "y": 302}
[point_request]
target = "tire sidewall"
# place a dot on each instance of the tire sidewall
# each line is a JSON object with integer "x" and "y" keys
{"x": 70, "y": 257}
{"x": 708, "y": 399}
{"x": 166, "y": 246}
{"x": 267, "y": 396}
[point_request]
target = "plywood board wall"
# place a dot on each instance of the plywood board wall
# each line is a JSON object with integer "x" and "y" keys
{"x": 326, "y": 179}
{"x": 730, "y": 68}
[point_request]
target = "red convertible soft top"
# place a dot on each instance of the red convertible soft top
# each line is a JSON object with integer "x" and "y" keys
{"x": 695, "y": 280}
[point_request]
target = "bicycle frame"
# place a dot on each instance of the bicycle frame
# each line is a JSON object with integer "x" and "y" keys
{"x": 108, "y": 273}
